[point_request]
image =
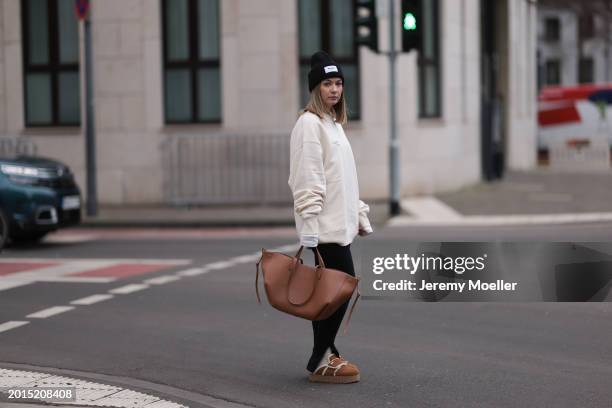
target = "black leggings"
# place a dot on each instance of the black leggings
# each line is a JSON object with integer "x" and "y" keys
{"x": 337, "y": 257}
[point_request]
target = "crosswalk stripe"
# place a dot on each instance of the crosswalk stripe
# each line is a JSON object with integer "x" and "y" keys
{"x": 246, "y": 258}
{"x": 90, "y": 300}
{"x": 123, "y": 290}
{"x": 51, "y": 311}
{"x": 11, "y": 325}
{"x": 9, "y": 284}
{"x": 220, "y": 265}
{"x": 160, "y": 280}
{"x": 192, "y": 272}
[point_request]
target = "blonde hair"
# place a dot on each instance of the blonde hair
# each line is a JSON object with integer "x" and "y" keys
{"x": 317, "y": 106}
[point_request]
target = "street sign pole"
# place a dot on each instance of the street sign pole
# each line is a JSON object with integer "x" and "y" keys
{"x": 90, "y": 136}
{"x": 394, "y": 176}
{"x": 82, "y": 9}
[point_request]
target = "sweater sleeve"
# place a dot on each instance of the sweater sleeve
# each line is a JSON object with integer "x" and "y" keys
{"x": 307, "y": 179}
{"x": 364, "y": 223}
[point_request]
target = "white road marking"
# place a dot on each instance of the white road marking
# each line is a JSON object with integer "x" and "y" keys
{"x": 90, "y": 300}
{"x": 247, "y": 258}
{"x": 48, "y": 273}
{"x": 192, "y": 272}
{"x": 430, "y": 208}
{"x": 53, "y": 274}
{"x": 9, "y": 284}
{"x": 284, "y": 248}
{"x": 11, "y": 325}
{"x": 124, "y": 290}
{"x": 51, "y": 311}
{"x": 160, "y": 280}
{"x": 63, "y": 268}
{"x": 220, "y": 265}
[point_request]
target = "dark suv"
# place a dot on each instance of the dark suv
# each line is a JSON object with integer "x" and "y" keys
{"x": 37, "y": 196}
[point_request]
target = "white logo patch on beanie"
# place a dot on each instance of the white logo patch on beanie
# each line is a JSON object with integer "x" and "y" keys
{"x": 330, "y": 68}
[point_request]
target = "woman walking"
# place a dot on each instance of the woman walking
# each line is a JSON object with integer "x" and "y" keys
{"x": 328, "y": 211}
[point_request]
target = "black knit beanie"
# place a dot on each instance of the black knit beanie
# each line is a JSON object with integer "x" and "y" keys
{"x": 322, "y": 67}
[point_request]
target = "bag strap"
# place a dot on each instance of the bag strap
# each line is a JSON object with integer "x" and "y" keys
{"x": 257, "y": 276}
{"x": 321, "y": 263}
{"x": 298, "y": 257}
{"x": 351, "y": 311}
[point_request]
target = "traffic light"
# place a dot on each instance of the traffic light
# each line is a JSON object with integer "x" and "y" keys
{"x": 411, "y": 25}
{"x": 366, "y": 24}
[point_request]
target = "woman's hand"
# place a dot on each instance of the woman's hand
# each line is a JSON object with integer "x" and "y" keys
{"x": 365, "y": 232}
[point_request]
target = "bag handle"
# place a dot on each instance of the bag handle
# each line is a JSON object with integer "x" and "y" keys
{"x": 298, "y": 257}
{"x": 257, "y": 276}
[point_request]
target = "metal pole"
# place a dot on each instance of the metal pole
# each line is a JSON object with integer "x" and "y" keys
{"x": 90, "y": 137}
{"x": 394, "y": 207}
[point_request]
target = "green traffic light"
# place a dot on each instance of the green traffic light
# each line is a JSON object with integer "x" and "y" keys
{"x": 410, "y": 22}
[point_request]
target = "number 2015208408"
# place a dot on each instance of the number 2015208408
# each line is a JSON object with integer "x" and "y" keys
{"x": 60, "y": 394}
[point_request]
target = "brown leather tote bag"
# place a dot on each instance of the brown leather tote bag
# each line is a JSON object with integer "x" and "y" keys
{"x": 310, "y": 292}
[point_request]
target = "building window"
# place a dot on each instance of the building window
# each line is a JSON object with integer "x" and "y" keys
{"x": 328, "y": 25}
{"x": 552, "y": 29}
{"x": 51, "y": 63}
{"x": 553, "y": 72}
{"x": 430, "y": 105}
{"x": 585, "y": 71}
{"x": 192, "y": 76}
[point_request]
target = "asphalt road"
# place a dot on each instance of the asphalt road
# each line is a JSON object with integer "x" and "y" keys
{"x": 207, "y": 334}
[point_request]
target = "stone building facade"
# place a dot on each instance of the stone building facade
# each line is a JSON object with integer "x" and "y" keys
{"x": 246, "y": 59}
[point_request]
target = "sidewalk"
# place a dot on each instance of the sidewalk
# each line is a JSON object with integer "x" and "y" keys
{"x": 535, "y": 192}
{"x": 539, "y": 191}
{"x": 4, "y": 403}
{"x": 211, "y": 216}
{"x": 35, "y": 405}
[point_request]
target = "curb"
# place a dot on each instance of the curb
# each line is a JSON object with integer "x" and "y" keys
{"x": 500, "y": 220}
{"x": 172, "y": 395}
{"x": 95, "y": 223}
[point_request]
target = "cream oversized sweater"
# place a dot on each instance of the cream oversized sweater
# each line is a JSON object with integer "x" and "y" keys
{"x": 323, "y": 180}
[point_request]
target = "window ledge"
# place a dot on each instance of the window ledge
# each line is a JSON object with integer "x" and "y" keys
{"x": 431, "y": 122}
{"x": 190, "y": 127}
{"x": 53, "y": 131}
